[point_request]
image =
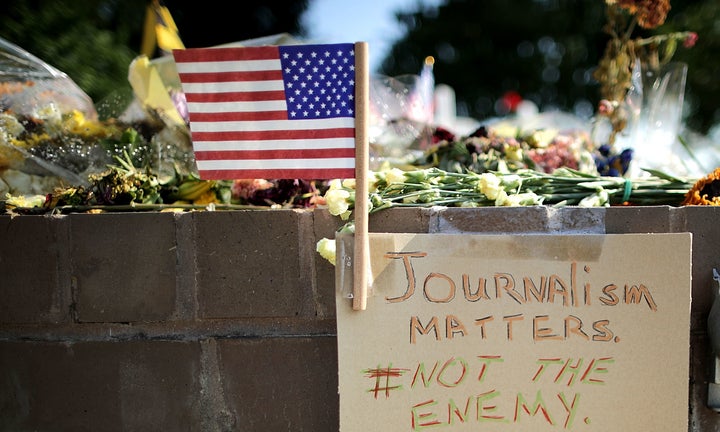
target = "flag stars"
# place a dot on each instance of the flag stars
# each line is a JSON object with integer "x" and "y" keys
{"x": 319, "y": 84}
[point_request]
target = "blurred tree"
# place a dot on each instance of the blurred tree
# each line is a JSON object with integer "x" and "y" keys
{"x": 543, "y": 50}
{"x": 94, "y": 41}
{"x": 703, "y": 86}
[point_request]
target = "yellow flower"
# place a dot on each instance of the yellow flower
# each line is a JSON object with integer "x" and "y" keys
{"x": 24, "y": 201}
{"x": 326, "y": 248}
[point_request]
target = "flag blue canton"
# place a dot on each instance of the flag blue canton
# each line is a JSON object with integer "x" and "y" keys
{"x": 319, "y": 80}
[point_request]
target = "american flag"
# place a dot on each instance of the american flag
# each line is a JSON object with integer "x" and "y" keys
{"x": 271, "y": 111}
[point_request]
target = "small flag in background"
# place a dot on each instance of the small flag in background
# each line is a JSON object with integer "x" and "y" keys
{"x": 160, "y": 30}
{"x": 271, "y": 111}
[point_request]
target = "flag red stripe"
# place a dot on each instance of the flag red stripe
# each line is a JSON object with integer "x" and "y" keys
{"x": 216, "y": 81}
{"x": 210, "y": 77}
{"x": 238, "y": 116}
{"x": 274, "y": 135}
{"x": 201, "y": 55}
{"x": 275, "y": 154}
{"x": 323, "y": 173}
{"x": 236, "y": 96}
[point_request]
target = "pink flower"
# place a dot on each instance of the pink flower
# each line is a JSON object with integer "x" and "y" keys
{"x": 605, "y": 107}
{"x": 690, "y": 40}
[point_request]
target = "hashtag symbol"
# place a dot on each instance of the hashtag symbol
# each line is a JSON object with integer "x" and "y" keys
{"x": 382, "y": 378}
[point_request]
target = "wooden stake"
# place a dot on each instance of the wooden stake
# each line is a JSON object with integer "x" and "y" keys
{"x": 361, "y": 251}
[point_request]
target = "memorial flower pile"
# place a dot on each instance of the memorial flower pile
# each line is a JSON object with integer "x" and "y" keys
{"x": 435, "y": 187}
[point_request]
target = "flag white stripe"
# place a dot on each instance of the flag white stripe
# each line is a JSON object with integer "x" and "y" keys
{"x": 225, "y": 107}
{"x": 234, "y": 86}
{"x": 325, "y": 143}
{"x": 265, "y": 164}
{"x": 228, "y": 66}
{"x": 274, "y": 125}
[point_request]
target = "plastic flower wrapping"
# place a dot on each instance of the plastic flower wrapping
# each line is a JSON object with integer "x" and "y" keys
{"x": 56, "y": 154}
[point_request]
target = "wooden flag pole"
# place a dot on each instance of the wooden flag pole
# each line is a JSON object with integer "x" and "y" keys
{"x": 361, "y": 252}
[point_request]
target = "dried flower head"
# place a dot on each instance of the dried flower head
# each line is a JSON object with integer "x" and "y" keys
{"x": 705, "y": 191}
{"x": 649, "y": 13}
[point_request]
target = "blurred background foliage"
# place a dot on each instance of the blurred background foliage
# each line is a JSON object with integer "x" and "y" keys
{"x": 543, "y": 50}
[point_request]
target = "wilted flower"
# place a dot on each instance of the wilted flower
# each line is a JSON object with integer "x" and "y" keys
{"x": 705, "y": 191}
{"x": 622, "y": 52}
{"x": 245, "y": 189}
{"x": 649, "y": 13}
{"x": 25, "y": 201}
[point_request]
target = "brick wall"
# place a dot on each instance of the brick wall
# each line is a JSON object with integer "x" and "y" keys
{"x": 219, "y": 321}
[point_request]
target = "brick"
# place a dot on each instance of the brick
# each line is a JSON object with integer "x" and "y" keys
{"x": 491, "y": 220}
{"x": 401, "y": 220}
{"x": 624, "y": 220}
{"x": 124, "y": 266}
{"x": 31, "y": 253}
{"x": 281, "y": 384}
{"x": 577, "y": 220}
{"x": 325, "y": 225}
{"x": 703, "y": 223}
{"x": 94, "y": 386}
{"x": 248, "y": 264}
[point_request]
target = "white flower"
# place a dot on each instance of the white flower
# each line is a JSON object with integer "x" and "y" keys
{"x": 501, "y": 198}
{"x": 511, "y": 181}
{"x": 52, "y": 118}
{"x": 395, "y": 175}
{"x": 516, "y": 200}
{"x": 338, "y": 201}
{"x": 10, "y": 126}
{"x": 598, "y": 199}
{"x": 326, "y": 248}
{"x": 489, "y": 185}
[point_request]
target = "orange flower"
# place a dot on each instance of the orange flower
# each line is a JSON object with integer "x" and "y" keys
{"x": 706, "y": 191}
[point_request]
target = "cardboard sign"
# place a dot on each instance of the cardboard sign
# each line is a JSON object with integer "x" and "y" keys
{"x": 516, "y": 333}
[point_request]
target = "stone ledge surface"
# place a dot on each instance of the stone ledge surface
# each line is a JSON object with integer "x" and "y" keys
{"x": 196, "y": 321}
